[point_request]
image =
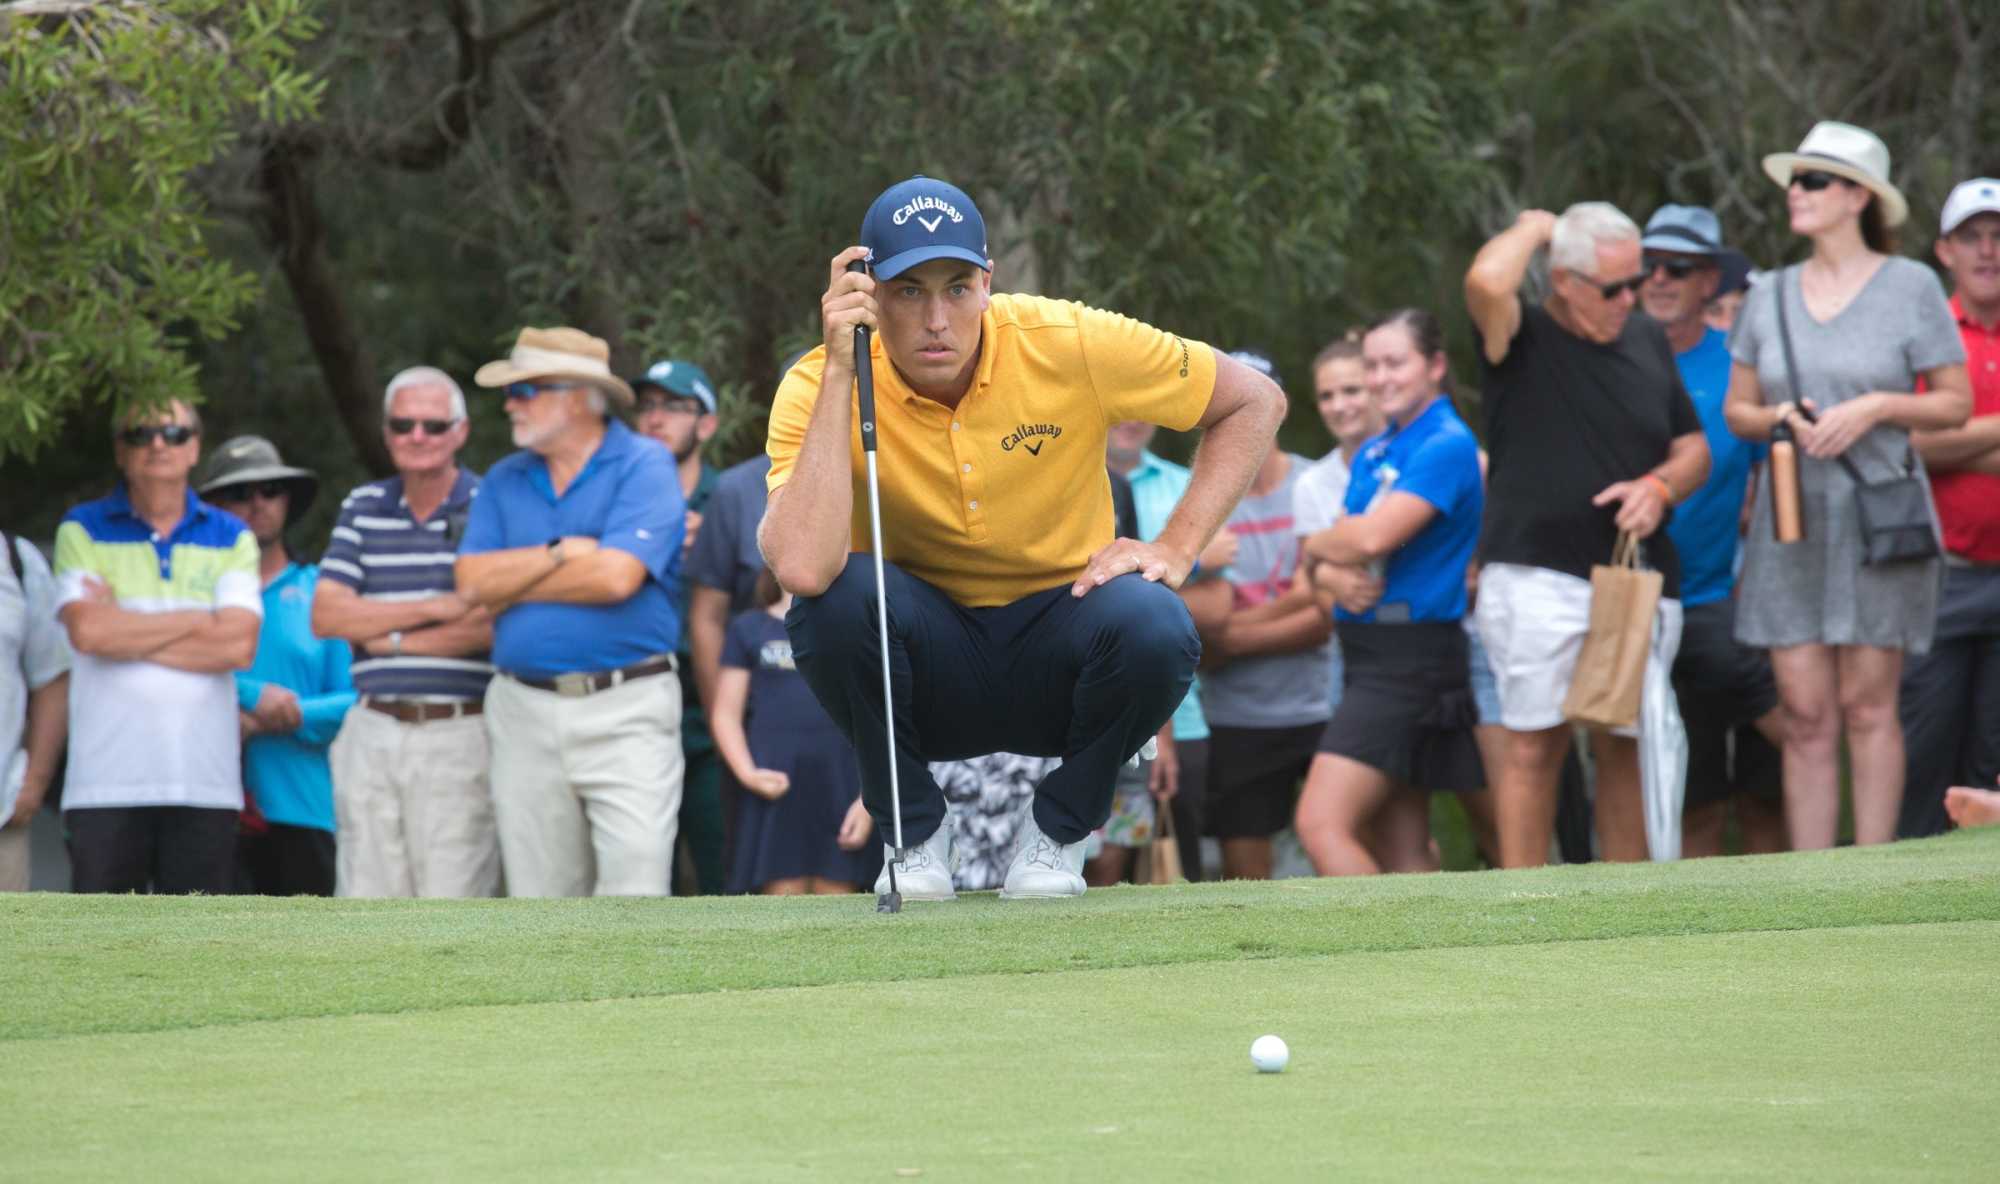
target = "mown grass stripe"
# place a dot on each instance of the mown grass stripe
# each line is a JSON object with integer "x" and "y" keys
{"x": 75, "y": 965}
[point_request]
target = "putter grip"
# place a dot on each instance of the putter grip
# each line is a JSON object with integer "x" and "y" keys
{"x": 864, "y": 375}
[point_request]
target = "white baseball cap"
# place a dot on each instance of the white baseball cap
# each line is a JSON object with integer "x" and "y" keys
{"x": 1981, "y": 195}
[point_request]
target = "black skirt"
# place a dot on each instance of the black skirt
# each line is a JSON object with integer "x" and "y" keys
{"x": 1406, "y": 705}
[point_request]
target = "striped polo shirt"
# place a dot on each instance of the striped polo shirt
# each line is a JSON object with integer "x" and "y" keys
{"x": 141, "y": 733}
{"x": 380, "y": 550}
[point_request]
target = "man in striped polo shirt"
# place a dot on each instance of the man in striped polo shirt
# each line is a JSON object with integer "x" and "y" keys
{"x": 159, "y": 593}
{"x": 412, "y": 811}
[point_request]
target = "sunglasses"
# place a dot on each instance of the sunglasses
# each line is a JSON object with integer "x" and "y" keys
{"x": 1676, "y": 269}
{"x": 671, "y": 406}
{"x": 401, "y": 426}
{"x": 175, "y": 434}
{"x": 1611, "y": 290}
{"x": 528, "y": 390}
{"x": 270, "y": 491}
{"x": 1813, "y": 180}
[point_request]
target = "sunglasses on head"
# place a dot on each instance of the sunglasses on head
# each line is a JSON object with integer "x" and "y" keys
{"x": 1676, "y": 269}
{"x": 270, "y": 491}
{"x": 1813, "y": 180}
{"x": 139, "y": 436}
{"x": 402, "y": 426}
{"x": 1611, "y": 290}
{"x": 528, "y": 390}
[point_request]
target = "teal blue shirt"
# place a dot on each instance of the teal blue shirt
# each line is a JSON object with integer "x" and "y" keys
{"x": 287, "y": 774}
{"x": 1157, "y": 486}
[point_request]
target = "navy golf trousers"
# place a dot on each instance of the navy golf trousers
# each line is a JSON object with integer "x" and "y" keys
{"x": 1086, "y": 679}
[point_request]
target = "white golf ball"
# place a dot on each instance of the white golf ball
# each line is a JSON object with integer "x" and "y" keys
{"x": 1269, "y": 1054}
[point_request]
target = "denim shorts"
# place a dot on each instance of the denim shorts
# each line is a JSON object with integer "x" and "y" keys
{"x": 1485, "y": 688}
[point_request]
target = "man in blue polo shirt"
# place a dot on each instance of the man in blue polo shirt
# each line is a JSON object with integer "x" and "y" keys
{"x": 575, "y": 544}
{"x": 1728, "y": 699}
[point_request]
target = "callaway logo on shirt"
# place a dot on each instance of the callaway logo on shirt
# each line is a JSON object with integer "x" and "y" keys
{"x": 1021, "y": 435}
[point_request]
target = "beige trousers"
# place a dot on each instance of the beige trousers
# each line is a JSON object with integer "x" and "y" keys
{"x": 412, "y": 814}
{"x": 587, "y": 789}
{"x": 14, "y": 851}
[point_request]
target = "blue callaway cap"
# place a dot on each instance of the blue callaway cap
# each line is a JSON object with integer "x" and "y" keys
{"x": 683, "y": 380}
{"x": 1691, "y": 230}
{"x": 922, "y": 219}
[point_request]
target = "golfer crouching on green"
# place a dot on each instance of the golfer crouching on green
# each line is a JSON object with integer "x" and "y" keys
{"x": 1015, "y": 622}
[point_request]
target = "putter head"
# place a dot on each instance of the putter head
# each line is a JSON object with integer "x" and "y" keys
{"x": 892, "y": 900}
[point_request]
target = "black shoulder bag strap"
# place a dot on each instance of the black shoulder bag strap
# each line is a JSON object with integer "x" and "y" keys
{"x": 1798, "y": 392}
{"x": 1895, "y": 515}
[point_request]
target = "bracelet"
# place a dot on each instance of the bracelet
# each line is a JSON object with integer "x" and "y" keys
{"x": 1666, "y": 490}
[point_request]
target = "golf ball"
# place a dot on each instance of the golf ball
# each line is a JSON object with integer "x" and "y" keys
{"x": 1269, "y": 1054}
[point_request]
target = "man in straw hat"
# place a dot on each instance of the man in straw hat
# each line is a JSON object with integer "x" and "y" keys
{"x": 158, "y": 591}
{"x": 575, "y": 544}
{"x": 295, "y": 694}
{"x": 1951, "y": 696}
{"x": 1017, "y": 623}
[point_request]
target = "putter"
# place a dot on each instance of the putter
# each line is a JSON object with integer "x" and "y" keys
{"x": 864, "y": 382}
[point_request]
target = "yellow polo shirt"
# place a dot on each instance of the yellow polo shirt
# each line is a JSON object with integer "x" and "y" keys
{"x": 1007, "y": 495}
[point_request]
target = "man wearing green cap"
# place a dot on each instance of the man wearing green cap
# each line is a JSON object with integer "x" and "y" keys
{"x": 676, "y": 406}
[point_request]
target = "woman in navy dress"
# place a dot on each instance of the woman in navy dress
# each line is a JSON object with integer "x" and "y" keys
{"x": 800, "y": 826}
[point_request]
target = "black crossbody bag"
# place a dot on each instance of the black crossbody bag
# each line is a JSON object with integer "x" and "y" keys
{"x": 1895, "y": 515}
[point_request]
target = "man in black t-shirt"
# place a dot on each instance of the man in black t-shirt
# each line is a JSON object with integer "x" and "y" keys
{"x": 1590, "y": 433}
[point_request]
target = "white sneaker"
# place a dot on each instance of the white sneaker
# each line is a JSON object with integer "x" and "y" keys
{"x": 924, "y": 872}
{"x": 1042, "y": 866}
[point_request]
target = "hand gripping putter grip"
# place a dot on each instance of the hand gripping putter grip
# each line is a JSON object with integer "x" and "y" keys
{"x": 864, "y": 384}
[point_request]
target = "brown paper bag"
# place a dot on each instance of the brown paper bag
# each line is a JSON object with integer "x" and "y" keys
{"x": 1163, "y": 855}
{"x": 1611, "y": 670}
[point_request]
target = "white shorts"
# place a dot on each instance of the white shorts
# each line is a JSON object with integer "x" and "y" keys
{"x": 1533, "y": 621}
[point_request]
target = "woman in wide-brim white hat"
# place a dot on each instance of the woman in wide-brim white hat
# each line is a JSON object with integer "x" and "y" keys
{"x": 1865, "y": 325}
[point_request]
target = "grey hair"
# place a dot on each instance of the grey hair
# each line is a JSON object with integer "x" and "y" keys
{"x": 593, "y": 398}
{"x": 417, "y": 376}
{"x": 1582, "y": 229}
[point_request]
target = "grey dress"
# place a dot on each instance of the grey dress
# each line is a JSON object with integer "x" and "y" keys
{"x": 1818, "y": 590}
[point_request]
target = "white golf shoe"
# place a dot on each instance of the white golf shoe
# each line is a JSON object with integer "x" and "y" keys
{"x": 1042, "y": 866}
{"x": 924, "y": 872}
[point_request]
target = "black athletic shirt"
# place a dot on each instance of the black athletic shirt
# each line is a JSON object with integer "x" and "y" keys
{"x": 1566, "y": 417}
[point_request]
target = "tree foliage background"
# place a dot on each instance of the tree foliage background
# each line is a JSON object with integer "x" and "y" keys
{"x": 418, "y": 180}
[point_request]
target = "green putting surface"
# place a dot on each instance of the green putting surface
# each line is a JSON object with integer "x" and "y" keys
{"x": 1825, "y": 1015}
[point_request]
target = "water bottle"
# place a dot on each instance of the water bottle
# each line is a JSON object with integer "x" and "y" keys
{"x": 1788, "y": 520}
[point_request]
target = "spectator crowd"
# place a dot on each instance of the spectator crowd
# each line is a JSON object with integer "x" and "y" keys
{"x": 572, "y": 675}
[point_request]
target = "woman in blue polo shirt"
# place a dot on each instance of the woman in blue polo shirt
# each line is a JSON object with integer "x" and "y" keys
{"x": 1413, "y": 505}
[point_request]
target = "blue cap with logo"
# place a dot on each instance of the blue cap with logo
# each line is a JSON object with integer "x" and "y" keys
{"x": 1691, "y": 230}
{"x": 922, "y": 219}
{"x": 683, "y": 380}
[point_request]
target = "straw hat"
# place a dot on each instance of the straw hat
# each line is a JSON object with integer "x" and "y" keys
{"x": 1845, "y": 151}
{"x": 563, "y": 353}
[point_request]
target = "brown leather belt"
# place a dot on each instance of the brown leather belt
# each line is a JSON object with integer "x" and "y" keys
{"x": 588, "y": 682}
{"x": 423, "y": 713}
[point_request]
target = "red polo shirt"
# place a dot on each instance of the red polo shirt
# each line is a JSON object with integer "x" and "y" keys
{"x": 1968, "y": 504}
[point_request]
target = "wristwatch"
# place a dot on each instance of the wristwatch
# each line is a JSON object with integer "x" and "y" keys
{"x": 556, "y": 551}
{"x": 395, "y": 643}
